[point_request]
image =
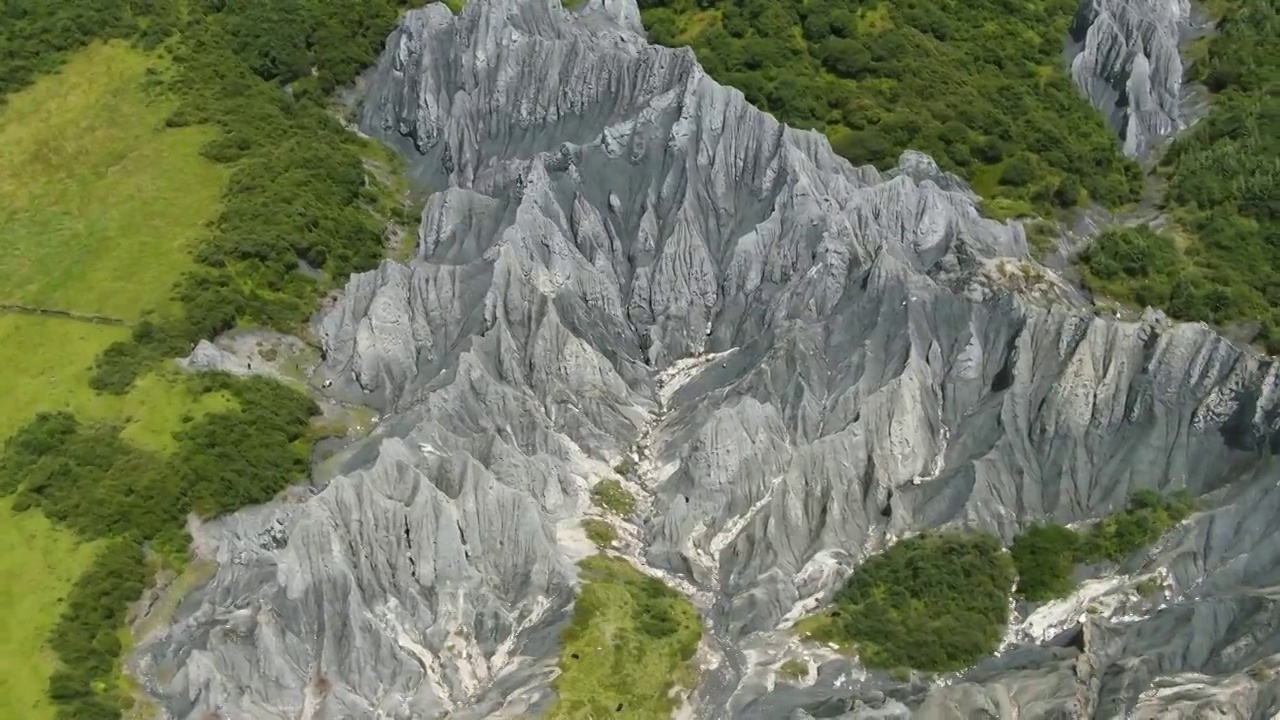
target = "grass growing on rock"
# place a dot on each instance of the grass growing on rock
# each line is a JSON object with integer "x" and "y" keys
{"x": 794, "y": 669}
{"x": 1045, "y": 556}
{"x": 600, "y": 532}
{"x": 628, "y": 646}
{"x": 610, "y": 495}
{"x": 934, "y": 602}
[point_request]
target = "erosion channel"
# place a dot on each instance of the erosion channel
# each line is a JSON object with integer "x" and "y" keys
{"x": 625, "y": 272}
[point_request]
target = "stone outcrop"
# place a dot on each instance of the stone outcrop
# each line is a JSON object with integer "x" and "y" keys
{"x": 808, "y": 359}
{"x": 1124, "y": 57}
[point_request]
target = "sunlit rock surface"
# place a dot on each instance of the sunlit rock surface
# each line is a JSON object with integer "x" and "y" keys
{"x": 807, "y": 360}
{"x": 1124, "y": 58}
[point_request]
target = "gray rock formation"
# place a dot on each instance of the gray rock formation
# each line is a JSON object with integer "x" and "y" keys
{"x": 1124, "y": 58}
{"x": 809, "y": 360}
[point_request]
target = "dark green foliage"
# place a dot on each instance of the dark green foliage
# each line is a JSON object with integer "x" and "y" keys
{"x": 1143, "y": 521}
{"x": 243, "y": 457}
{"x": 299, "y": 196}
{"x": 86, "y": 477}
{"x": 86, "y": 637}
{"x": 89, "y": 479}
{"x": 610, "y": 495}
{"x": 1135, "y": 265}
{"x": 1224, "y": 189}
{"x": 934, "y": 602}
{"x": 37, "y": 35}
{"x": 978, "y": 85}
{"x": 1046, "y": 556}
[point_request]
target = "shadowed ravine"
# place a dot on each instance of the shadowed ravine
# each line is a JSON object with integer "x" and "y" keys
{"x": 808, "y": 360}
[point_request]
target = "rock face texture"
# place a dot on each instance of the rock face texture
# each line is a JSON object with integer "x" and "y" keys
{"x": 1124, "y": 58}
{"x": 805, "y": 360}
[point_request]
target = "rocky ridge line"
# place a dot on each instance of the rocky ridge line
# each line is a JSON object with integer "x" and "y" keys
{"x": 604, "y": 213}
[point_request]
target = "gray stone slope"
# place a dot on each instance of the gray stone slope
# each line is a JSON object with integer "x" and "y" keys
{"x": 806, "y": 361}
{"x": 1124, "y": 57}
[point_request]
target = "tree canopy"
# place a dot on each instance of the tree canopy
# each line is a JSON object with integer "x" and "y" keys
{"x": 981, "y": 86}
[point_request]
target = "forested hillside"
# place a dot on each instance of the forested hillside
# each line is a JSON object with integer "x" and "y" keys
{"x": 1221, "y": 261}
{"x": 981, "y": 86}
{"x": 299, "y": 214}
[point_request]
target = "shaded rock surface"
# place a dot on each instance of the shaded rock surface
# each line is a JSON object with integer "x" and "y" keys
{"x": 808, "y": 360}
{"x": 1124, "y": 57}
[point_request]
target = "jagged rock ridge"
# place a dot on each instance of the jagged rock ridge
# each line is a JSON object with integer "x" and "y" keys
{"x": 1124, "y": 58}
{"x": 809, "y": 359}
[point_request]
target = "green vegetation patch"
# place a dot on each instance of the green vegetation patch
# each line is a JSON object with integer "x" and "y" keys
{"x": 301, "y": 211}
{"x": 1223, "y": 189}
{"x": 98, "y": 207}
{"x": 935, "y": 602}
{"x": 1045, "y": 556}
{"x": 99, "y": 215}
{"x": 39, "y": 564}
{"x": 979, "y": 85}
{"x": 179, "y": 197}
{"x": 600, "y": 532}
{"x": 86, "y": 477}
{"x": 628, "y": 646}
{"x": 610, "y": 495}
{"x": 794, "y": 669}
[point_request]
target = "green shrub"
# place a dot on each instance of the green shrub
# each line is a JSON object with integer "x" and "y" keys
{"x": 934, "y": 602}
{"x": 1045, "y": 556}
{"x": 980, "y": 86}
{"x": 600, "y": 532}
{"x": 1045, "y": 559}
{"x": 610, "y": 495}
{"x": 1223, "y": 183}
{"x": 794, "y": 669}
{"x": 628, "y": 645}
{"x": 86, "y": 638}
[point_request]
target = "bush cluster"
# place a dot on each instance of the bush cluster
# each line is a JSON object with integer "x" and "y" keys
{"x": 36, "y": 35}
{"x": 87, "y": 478}
{"x": 298, "y": 213}
{"x": 979, "y": 85}
{"x": 611, "y": 495}
{"x": 1223, "y": 190}
{"x": 934, "y": 602}
{"x": 87, "y": 636}
{"x": 1046, "y": 555}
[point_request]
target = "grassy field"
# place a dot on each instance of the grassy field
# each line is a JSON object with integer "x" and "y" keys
{"x": 629, "y": 645}
{"x": 98, "y": 205}
{"x": 39, "y": 563}
{"x": 99, "y": 201}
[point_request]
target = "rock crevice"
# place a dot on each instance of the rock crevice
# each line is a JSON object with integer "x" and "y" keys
{"x": 604, "y": 214}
